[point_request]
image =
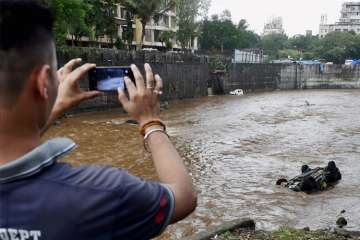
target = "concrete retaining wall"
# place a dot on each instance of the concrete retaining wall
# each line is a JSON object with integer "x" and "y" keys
{"x": 290, "y": 76}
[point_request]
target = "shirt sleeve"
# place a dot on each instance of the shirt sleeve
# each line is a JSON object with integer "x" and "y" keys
{"x": 145, "y": 208}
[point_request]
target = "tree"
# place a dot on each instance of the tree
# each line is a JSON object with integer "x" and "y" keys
{"x": 337, "y": 47}
{"x": 273, "y": 43}
{"x": 226, "y": 15}
{"x": 83, "y": 18}
{"x": 145, "y": 10}
{"x": 70, "y": 19}
{"x": 101, "y": 18}
{"x": 128, "y": 33}
{"x": 243, "y": 25}
{"x": 220, "y": 34}
{"x": 187, "y": 13}
{"x": 246, "y": 38}
{"x": 166, "y": 38}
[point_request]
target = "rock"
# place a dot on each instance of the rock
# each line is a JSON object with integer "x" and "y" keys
{"x": 132, "y": 122}
{"x": 306, "y": 229}
{"x": 248, "y": 224}
{"x": 165, "y": 105}
{"x": 341, "y": 222}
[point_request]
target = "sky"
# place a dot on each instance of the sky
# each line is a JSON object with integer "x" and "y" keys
{"x": 298, "y": 15}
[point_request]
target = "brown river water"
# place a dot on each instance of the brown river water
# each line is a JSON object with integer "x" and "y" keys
{"x": 236, "y": 148}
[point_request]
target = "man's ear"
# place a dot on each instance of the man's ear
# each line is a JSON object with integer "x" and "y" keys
{"x": 41, "y": 80}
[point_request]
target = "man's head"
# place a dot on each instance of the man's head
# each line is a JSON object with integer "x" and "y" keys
{"x": 27, "y": 58}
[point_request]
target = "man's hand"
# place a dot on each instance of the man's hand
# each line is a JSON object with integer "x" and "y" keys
{"x": 69, "y": 92}
{"x": 144, "y": 102}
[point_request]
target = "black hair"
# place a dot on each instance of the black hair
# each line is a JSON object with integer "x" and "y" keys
{"x": 26, "y": 41}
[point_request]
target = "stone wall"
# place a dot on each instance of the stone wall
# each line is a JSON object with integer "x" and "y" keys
{"x": 251, "y": 77}
{"x": 332, "y": 76}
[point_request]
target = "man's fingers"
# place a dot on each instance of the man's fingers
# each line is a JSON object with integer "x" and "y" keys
{"x": 91, "y": 94}
{"x": 70, "y": 65}
{"x": 122, "y": 98}
{"x": 159, "y": 83}
{"x": 150, "y": 81}
{"x": 60, "y": 71}
{"x": 80, "y": 72}
{"x": 138, "y": 78}
{"x": 130, "y": 87}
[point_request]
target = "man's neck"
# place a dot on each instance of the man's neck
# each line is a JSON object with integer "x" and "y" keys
{"x": 17, "y": 137}
{"x": 13, "y": 147}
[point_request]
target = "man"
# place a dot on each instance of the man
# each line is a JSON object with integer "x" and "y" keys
{"x": 41, "y": 198}
{"x": 313, "y": 180}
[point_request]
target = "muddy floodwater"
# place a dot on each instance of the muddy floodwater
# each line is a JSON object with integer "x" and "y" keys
{"x": 236, "y": 148}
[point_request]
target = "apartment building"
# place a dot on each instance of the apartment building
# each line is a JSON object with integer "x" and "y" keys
{"x": 349, "y": 20}
{"x": 274, "y": 26}
{"x": 153, "y": 30}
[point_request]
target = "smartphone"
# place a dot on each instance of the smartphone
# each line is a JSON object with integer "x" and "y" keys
{"x": 109, "y": 79}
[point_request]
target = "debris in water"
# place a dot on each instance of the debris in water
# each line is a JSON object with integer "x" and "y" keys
{"x": 341, "y": 222}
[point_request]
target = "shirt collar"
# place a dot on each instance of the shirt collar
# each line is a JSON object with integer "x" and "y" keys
{"x": 39, "y": 158}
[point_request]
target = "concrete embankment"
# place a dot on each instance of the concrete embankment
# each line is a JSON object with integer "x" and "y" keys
{"x": 244, "y": 229}
{"x": 190, "y": 76}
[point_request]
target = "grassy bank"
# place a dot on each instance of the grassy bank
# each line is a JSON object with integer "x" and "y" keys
{"x": 283, "y": 234}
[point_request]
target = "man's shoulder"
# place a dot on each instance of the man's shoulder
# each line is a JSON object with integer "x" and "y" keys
{"x": 88, "y": 177}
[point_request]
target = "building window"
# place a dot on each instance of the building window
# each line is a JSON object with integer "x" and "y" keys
{"x": 157, "y": 35}
{"x": 173, "y": 22}
{"x": 148, "y": 35}
{"x": 166, "y": 21}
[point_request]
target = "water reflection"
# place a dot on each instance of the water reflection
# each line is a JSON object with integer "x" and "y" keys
{"x": 236, "y": 147}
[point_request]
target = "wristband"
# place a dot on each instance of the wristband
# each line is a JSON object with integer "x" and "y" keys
{"x": 155, "y": 122}
{"x": 149, "y": 134}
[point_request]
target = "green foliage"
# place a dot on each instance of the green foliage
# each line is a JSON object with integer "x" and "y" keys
{"x": 128, "y": 34}
{"x": 273, "y": 43}
{"x": 218, "y": 62}
{"x": 119, "y": 44}
{"x": 83, "y": 18}
{"x": 101, "y": 18}
{"x": 166, "y": 38}
{"x": 292, "y": 53}
{"x": 187, "y": 13}
{"x": 334, "y": 47}
{"x": 338, "y": 46}
{"x": 70, "y": 19}
{"x": 220, "y": 34}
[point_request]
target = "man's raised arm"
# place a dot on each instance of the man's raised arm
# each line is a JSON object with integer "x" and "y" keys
{"x": 143, "y": 105}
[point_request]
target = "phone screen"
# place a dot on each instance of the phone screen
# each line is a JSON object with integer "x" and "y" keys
{"x": 109, "y": 79}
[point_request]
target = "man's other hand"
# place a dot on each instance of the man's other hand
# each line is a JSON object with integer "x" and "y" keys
{"x": 144, "y": 102}
{"x": 69, "y": 91}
